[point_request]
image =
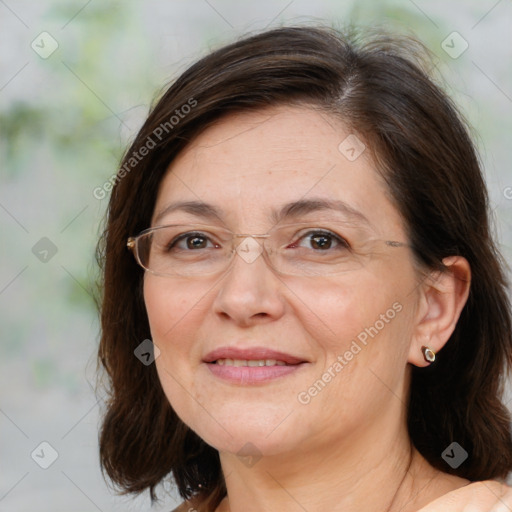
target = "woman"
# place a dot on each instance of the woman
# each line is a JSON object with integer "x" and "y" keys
{"x": 314, "y": 278}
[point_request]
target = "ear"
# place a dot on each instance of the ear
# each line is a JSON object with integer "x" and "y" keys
{"x": 441, "y": 299}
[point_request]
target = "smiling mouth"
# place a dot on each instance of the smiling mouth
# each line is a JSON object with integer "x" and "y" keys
{"x": 243, "y": 372}
{"x": 254, "y": 365}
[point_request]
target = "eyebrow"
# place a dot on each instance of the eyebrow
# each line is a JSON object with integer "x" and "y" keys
{"x": 289, "y": 210}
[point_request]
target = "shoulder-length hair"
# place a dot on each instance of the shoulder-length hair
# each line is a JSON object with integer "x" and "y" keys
{"x": 420, "y": 145}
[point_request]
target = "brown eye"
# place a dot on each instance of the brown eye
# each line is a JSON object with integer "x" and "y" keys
{"x": 322, "y": 241}
{"x": 193, "y": 241}
{"x": 196, "y": 242}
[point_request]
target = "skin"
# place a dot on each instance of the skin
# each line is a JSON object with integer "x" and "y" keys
{"x": 348, "y": 448}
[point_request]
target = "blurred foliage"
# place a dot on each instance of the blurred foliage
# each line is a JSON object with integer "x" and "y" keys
{"x": 73, "y": 125}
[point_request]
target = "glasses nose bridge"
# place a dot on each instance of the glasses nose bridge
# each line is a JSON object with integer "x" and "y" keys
{"x": 249, "y": 235}
{"x": 243, "y": 236}
{"x": 250, "y": 252}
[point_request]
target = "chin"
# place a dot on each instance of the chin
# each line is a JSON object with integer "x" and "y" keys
{"x": 246, "y": 436}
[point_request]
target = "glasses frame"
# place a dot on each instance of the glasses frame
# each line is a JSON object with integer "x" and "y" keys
{"x": 132, "y": 244}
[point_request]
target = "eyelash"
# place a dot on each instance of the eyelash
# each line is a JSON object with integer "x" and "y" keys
{"x": 184, "y": 236}
{"x": 340, "y": 240}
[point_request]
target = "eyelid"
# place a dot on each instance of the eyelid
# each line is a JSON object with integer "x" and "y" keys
{"x": 211, "y": 233}
{"x": 340, "y": 239}
{"x": 342, "y": 229}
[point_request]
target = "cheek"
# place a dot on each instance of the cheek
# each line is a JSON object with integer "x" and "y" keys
{"x": 175, "y": 310}
{"x": 334, "y": 312}
{"x": 359, "y": 328}
{"x": 170, "y": 303}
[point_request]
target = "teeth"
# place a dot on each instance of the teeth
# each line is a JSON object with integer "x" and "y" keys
{"x": 250, "y": 362}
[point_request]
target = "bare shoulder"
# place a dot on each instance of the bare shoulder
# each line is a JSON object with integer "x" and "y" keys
{"x": 181, "y": 508}
{"x": 479, "y": 496}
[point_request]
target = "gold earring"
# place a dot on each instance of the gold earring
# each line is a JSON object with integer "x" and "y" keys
{"x": 428, "y": 354}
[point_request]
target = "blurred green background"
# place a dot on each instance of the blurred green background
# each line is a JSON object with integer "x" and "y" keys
{"x": 77, "y": 79}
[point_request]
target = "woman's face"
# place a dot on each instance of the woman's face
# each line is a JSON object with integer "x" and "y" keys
{"x": 350, "y": 331}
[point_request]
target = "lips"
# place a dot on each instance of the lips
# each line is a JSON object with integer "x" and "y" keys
{"x": 251, "y": 366}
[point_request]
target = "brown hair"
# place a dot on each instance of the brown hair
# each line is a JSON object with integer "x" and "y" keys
{"x": 420, "y": 145}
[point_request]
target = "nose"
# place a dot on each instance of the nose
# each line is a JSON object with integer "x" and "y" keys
{"x": 249, "y": 292}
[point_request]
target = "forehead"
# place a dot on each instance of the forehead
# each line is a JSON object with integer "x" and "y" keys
{"x": 250, "y": 164}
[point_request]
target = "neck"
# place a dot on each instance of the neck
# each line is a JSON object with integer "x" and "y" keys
{"x": 376, "y": 471}
{"x": 351, "y": 476}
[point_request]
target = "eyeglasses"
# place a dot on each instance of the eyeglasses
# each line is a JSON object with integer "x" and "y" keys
{"x": 300, "y": 249}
